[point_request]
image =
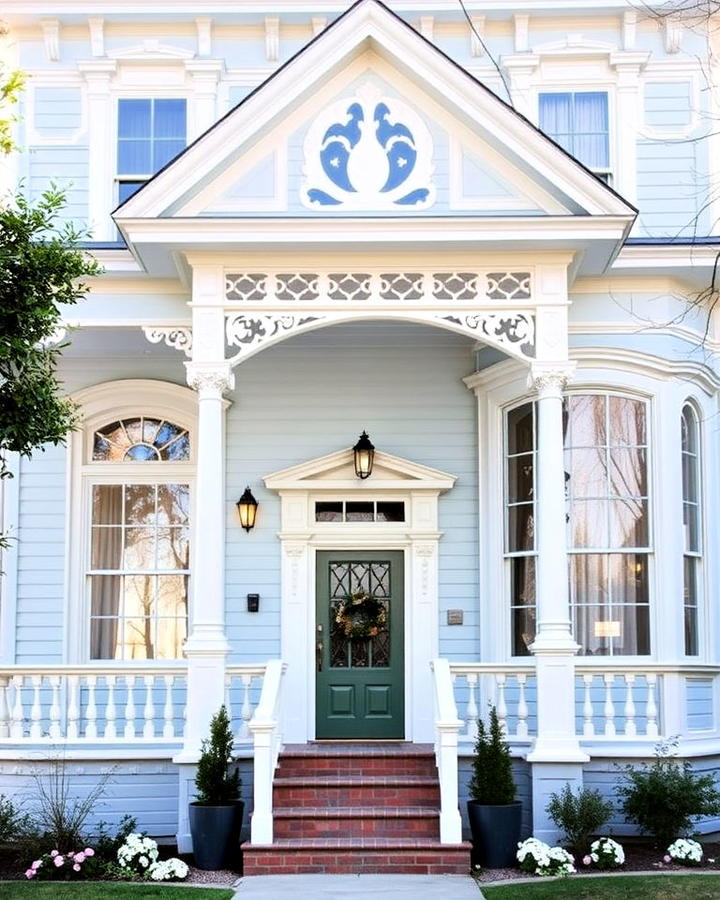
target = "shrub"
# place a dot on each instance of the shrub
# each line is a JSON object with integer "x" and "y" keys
{"x": 107, "y": 844}
{"x": 56, "y": 866}
{"x": 492, "y": 780}
{"x": 579, "y": 815}
{"x": 685, "y": 852}
{"x": 665, "y": 797}
{"x": 538, "y": 858}
{"x": 605, "y": 853}
{"x": 213, "y": 782}
{"x": 138, "y": 857}
{"x": 14, "y": 825}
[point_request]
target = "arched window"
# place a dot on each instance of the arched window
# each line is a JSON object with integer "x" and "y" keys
{"x": 137, "y": 475}
{"x": 608, "y": 531}
{"x": 690, "y": 450}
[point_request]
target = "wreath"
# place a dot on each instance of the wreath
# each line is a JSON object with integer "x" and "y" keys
{"x": 361, "y": 615}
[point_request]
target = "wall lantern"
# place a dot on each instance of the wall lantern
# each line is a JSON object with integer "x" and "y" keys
{"x": 364, "y": 454}
{"x": 247, "y": 509}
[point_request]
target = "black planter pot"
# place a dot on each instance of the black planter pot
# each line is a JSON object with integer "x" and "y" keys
{"x": 215, "y": 833}
{"x": 495, "y": 833}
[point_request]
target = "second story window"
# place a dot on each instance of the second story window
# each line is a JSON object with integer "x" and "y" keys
{"x": 150, "y": 133}
{"x": 579, "y": 122}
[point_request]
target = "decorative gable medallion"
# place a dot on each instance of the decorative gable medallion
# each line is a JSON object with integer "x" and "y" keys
{"x": 368, "y": 152}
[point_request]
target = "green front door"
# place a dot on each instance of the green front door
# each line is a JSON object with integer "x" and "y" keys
{"x": 360, "y": 691}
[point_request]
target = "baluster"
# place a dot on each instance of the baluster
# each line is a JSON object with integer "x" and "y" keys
{"x": 246, "y": 711}
{"x": 149, "y": 710}
{"x": 609, "y": 679}
{"x": 651, "y": 711}
{"x": 522, "y": 710}
{"x": 501, "y": 705}
{"x": 73, "y": 709}
{"x": 18, "y": 714}
{"x": 110, "y": 709}
{"x": 4, "y": 708}
{"x": 130, "y": 708}
{"x": 36, "y": 709}
{"x": 472, "y": 710}
{"x": 588, "y": 724}
{"x": 55, "y": 731}
{"x": 168, "y": 726}
{"x": 630, "y": 727}
{"x": 229, "y": 704}
{"x": 91, "y": 732}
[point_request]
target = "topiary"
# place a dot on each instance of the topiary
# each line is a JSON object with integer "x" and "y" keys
{"x": 213, "y": 782}
{"x": 492, "y": 781}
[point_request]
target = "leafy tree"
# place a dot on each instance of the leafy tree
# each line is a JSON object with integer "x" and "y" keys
{"x": 11, "y": 85}
{"x": 41, "y": 270}
{"x": 492, "y": 780}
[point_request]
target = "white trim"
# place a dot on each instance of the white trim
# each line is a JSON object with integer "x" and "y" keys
{"x": 301, "y": 538}
{"x": 99, "y": 404}
{"x": 10, "y": 522}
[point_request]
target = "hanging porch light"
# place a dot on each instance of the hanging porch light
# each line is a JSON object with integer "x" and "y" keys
{"x": 363, "y": 455}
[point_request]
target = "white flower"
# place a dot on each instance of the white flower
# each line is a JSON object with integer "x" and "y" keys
{"x": 539, "y": 858}
{"x": 607, "y": 853}
{"x": 683, "y": 850}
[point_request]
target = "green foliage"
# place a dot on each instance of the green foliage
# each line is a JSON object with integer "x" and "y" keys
{"x": 41, "y": 271}
{"x": 579, "y": 814}
{"x": 664, "y": 798}
{"x": 106, "y": 844}
{"x": 14, "y": 825}
{"x": 11, "y": 84}
{"x": 213, "y": 782}
{"x": 492, "y": 781}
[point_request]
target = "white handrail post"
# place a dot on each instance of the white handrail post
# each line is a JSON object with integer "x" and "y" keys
{"x": 264, "y": 729}
{"x": 447, "y": 726}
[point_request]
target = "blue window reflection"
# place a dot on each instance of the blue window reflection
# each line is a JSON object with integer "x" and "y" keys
{"x": 579, "y": 123}
{"x": 150, "y": 133}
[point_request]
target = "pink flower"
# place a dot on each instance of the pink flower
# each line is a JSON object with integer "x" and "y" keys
{"x": 36, "y": 865}
{"x": 59, "y": 861}
{"x": 586, "y": 860}
{"x": 88, "y": 851}
{"x": 76, "y": 867}
{"x": 79, "y": 857}
{"x": 30, "y": 873}
{"x": 667, "y": 859}
{"x": 53, "y": 853}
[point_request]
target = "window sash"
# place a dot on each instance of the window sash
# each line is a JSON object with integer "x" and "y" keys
{"x": 579, "y": 122}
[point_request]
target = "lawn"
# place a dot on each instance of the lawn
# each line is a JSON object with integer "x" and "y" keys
{"x": 100, "y": 890}
{"x": 640, "y": 887}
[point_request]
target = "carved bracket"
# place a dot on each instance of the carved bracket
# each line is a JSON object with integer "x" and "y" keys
{"x": 177, "y": 338}
{"x": 513, "y": 331}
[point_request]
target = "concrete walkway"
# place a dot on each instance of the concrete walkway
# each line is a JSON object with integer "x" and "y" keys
{"x": 354, "y": 887}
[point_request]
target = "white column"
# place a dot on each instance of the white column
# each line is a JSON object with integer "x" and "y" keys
{"x": 205, "y": 75}
{"x": 207, "y": 647}
{"x": 554, "y": 647}
{"x": 98, "y": 75}
{"x": 628, "y": 65}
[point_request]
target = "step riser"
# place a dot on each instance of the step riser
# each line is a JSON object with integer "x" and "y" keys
{"x": 301, "y": 767}
{"x": 422, "y": 827}
{"x": 341, "y": 796}
{"x": 409, "y": 862}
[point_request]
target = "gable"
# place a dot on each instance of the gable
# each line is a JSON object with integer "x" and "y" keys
{"x": 370, "y": 119}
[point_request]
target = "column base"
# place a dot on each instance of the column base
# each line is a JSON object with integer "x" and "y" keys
{"x": 551, "y": 778}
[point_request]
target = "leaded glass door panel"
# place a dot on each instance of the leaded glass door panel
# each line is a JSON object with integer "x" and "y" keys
{"x": 360, "y": 690}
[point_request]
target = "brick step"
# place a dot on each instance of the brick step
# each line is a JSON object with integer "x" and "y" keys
{"x": 356, "y": 790}
{"x": 356, "y": 759}
{"x": 355, "y": 856}
{"x": 357, "y": 821}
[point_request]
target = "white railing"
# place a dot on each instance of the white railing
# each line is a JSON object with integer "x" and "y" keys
{"x": 447, "y": 726}
{"x": 264, "y": 727}
{"x": 91, "y": 703}
{"x": 243, "y": 683}
{"x": 510, "y": 689}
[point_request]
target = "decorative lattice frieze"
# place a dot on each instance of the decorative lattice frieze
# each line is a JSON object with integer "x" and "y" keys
{"x": 297, "y": 286}
{"x": 179, "y": 338}
{"x": 402, "y": 286}
{"x": 249, "y": 286}
{"x": 508, "y": 285}
{"x": 455, "y": 285}
{"x": 349, "y": 286}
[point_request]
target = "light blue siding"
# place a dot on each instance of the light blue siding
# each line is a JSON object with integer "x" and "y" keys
{"x": 699, "y": 697}
{"x": 58, "y": 111}
{"x": 67, "y": 168}
{"x": 41, "y": 558}
{"x": 308, "y": 397}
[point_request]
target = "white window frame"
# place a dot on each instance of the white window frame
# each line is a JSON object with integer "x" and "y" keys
{"x": 697, "y": 555}
{"x": 99, "y": 405}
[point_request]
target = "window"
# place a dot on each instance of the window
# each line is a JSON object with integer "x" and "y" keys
{"x": 607, "y": 519}
{"x": 579, "y": 122}
{"x": 520, "y": 523}
{"x": 139, "y": 562}
{"x": 150, "y": 133}
{"x": 690, "y": 433}
{"x": 360, "y": 511}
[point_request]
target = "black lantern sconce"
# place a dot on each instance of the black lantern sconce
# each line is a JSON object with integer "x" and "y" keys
{"x": 247, "y": 509}
{"x": 363, "y": 455}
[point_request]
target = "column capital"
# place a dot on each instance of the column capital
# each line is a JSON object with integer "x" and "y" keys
{"x": 550, "y": 379}
{"x": 210, "y": 379}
